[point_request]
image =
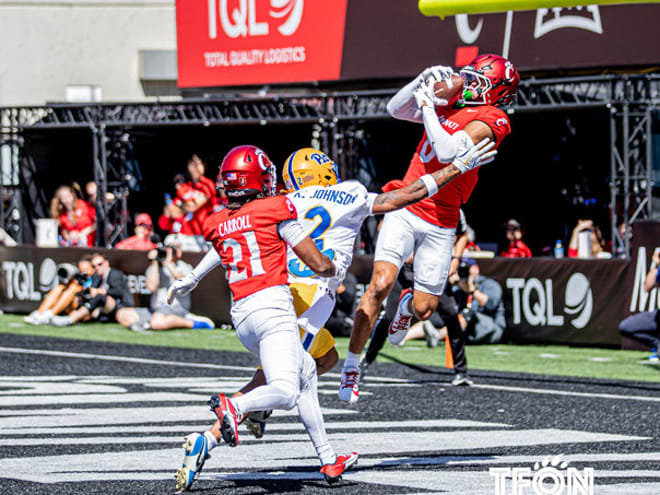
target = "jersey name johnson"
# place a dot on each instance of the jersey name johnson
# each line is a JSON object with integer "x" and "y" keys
{"x": 332, "y": 217}
{"x": 250, "y": 248}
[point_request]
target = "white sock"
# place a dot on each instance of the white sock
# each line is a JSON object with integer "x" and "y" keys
{"x": 352, "y": 360}
{"x": 210, "y": 440}
{"x": 310, "y": 413}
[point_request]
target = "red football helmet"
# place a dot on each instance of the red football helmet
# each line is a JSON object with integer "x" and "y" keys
{"x": 489, "y": 80}
{"x": 247, "y": 170}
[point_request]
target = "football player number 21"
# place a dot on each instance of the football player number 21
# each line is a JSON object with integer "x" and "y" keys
{"x": 235, "y": 273}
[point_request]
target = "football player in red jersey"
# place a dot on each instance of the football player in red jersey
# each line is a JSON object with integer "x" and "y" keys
{"x": 427, "y": 227}
{"x": 249, "y": 239}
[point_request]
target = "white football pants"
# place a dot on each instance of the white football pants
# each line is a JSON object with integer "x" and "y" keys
{"x": 267, "y": 326}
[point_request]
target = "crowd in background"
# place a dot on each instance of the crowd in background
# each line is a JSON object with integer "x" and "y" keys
{"x": 195, "y": 196}
{"x": 97, "y": 292}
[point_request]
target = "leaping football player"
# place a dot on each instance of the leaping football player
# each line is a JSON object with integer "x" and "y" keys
{"x": 249, "y": 238}
{"x": 427, "y": 227}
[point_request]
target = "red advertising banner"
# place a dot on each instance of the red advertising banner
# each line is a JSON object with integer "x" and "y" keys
{"x": 242, "y": 42}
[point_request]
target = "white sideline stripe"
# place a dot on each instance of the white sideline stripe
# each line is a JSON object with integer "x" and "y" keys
{"x": 245, "y": 368}
{"x": 567, "y": 393}
{"x": 528, "y": 459}
{"x": 107, "y": 357}
{"x": 51, "y": 400}
{"x": 272, "y": 427}
{"x": 368, "y": 442}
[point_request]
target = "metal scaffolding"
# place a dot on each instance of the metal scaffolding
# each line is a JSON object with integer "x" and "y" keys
{"x": 335, "y": 119}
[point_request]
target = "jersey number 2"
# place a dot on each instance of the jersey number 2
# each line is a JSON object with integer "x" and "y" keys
{"x": 237, "y": 274}
{"x": 297, "y": 267}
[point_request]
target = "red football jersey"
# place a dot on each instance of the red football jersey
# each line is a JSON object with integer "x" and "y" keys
{"x": 81, "y": 218}
{"x": 251, "y": 250}
{"x": 443, "y": 208}
{"x": 207, "y": 187}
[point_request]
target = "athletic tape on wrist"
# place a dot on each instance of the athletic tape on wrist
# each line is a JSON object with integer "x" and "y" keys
{"x": 429, "y": 183}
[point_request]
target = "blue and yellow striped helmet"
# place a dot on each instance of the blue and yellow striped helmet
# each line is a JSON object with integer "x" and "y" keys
{"x": 309, "y": 167}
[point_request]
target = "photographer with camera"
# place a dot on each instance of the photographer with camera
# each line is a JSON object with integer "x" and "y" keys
{"x": 644, "y": 327}
{"x": 62, "y": 298}
{"x": 105, "y": 299}
{"x": 166, "y": 266}
{"x": 480, "y": 303}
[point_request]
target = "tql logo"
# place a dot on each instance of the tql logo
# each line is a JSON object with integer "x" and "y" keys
{"x": 20, "y": 279}
{"x": 533, "y": 300}
{"x": 242, "y": 20}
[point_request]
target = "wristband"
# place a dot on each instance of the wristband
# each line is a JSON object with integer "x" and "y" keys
{"x": 429, "y": 183}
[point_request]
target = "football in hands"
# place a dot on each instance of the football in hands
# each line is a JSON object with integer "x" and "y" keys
{"x": 448, "y": 89}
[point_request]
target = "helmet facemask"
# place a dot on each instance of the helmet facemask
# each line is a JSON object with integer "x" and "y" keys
{"x": 475, "y": 87}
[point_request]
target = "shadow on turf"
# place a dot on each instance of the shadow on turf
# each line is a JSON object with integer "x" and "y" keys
{"x": 524, "y": 377}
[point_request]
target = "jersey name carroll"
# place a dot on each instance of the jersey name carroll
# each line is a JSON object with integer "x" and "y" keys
{"x": 249, "y": 245}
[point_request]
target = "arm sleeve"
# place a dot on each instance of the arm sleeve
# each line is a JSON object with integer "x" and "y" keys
{"x": 292, "y": 232}
{"x": 402, "y": 105}
{"x": 210, "y": 260}
{"x": 371, "y": 197}
{"x": 445, "y": 145}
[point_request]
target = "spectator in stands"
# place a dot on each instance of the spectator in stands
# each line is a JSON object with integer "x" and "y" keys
{"x": 517, "y": 248}
{"x": 77, "y": 222}
{"x": 340, "y": 322}
{"x": 165, "y": 267}
{"x": 141, "y": 241}
{"x": 62, "y": 298}
{"x": 174, "y": 220}
{"x": 595, "y": 243}
{"x": 471, "y": 245}
{"x": 480, "y": 303}
{"x": 104, "y": 300}
{"x": 198, "y": 197}
{"x": 644, "y": 327}
{"x": 90, "y": 191}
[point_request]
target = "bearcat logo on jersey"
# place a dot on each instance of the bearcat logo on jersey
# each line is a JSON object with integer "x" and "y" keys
{"x": 234, "y": 225}
{"x": 290, "y": 206}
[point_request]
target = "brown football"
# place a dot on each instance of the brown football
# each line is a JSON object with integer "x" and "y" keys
{"x": 448, "y": 89}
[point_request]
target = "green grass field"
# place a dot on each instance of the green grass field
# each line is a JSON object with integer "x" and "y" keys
{"x": 543, "y": 360}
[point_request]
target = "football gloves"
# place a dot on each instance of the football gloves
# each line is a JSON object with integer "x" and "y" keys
{"x": 182, "y": 287}
{"x": 475, "y": 156}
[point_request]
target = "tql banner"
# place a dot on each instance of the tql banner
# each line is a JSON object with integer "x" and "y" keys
{"x": 564, "y": 300}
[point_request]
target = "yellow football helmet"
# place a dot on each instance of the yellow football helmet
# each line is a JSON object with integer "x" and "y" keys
{"x": 309, "y": 167}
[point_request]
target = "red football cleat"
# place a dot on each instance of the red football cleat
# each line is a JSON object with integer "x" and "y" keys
{"x": 223, "y": 408}
{"x": 332, "y": 472}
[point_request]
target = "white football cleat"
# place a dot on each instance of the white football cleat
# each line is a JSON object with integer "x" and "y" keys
{"x": 348, "y": 389}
